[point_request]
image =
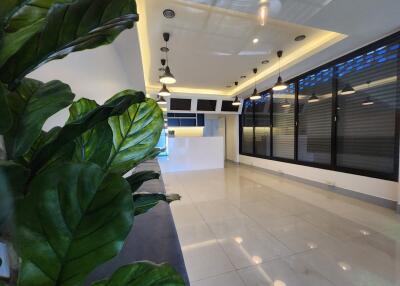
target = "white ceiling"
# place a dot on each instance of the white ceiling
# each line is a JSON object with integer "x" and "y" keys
{"x": 211, "y": 40}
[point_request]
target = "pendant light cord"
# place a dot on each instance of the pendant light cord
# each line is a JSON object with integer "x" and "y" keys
{"x": 255, "y": 79}
{"x": 279, "y": 66}
{"x": 166, "y": 52}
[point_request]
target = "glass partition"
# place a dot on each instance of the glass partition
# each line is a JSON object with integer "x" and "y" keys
{"x": 344, "y": 116}
{"x": 367, "y": 98}
{"x": 315, "y": 117}
{"x": 247, "y": 128}
{"x": 262, "y": 125}
{"x": 283, "y": 123}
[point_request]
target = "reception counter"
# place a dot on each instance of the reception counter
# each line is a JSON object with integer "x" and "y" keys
{"x": 193, "y": 153}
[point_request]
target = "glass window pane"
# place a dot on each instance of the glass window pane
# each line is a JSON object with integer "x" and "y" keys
{"x": 247, "y": 124}
{"x": 315, "y": 117}
{"x": 283, "y": 123}
{"x": 367, "y": 110}
{"x": 263, "y": 125}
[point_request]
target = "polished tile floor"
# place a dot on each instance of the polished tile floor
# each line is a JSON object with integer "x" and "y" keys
{"x": 242, "y": 226}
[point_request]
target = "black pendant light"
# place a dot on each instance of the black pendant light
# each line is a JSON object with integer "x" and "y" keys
{"x": 280, "y": 84}
{"x": 161, "y": 101}
{"x": 347, "y": 90}
{"x": 167, "y": 77}
{"x": 164, "y": 91}
{"x": 286, "y": 104}
{"x": 313, "y": 98}
{"x": 368, "y": 100}
{"x": 236, "y": 102}
{"x": 255, "y": 95}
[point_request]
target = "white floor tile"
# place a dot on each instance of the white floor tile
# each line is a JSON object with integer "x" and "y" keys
{"x": 279, "y": 273}
{"x": 206, "y": 259}
{"x": 228, "y": 279}
{"x": 277, "y": 232}
{"x": 246, "y": 243}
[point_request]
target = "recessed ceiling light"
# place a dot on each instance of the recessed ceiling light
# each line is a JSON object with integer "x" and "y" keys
{"x": 300, "y": 38}
{"x": 255, "y": 40}
{"x": 264, "y": 62}
{"x": 169, "y": 13}
{"x": 344, "y": 266}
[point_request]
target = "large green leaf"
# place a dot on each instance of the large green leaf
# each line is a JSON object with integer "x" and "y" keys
{"x": 144, "y": 274}
{"x": 74, "y": 129}
{"x": 6, "y": 7}
{"x": 13, "y": 178}
{"x": 25, "y": 18}
{"x": 43, "y": 139}
{"x": 136, "y": 132}
{"x": 64, "y": 153}
{"x": 137, "y": 179}
{"x": 12, "y": 42}
{"x": 94, "y": 145}
{"x": 144, "y": 202}
{"x": 85, "y": 24}
{"x": 26, "y": 12}
{"x": 5, "y": 113}
{"x": 72, "y": 220}
{"x": 32, "y": 104}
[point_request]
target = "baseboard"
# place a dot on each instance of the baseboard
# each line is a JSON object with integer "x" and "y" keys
{"x": 349, "y": 193}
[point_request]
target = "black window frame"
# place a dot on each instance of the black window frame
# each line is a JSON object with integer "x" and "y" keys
{"x": 333, "y": 166}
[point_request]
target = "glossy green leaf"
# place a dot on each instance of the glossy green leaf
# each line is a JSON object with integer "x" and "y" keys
{"x": 94, "y": 145}
{"x": 143, "y": 202}
{"x": 5, "y": 113}
{"x": 64, "y": 153}
{"x": 144, "y": 274}
{"x": 6, "y": 7}
{"x": 32, "y": 104}
{"x": 75, "y": 129}
{"x": 85, "y": 24}
{"x": 43, "y": 139}
{"x": 150, "y": 156}
{"x": 137, "y": 179}
{"x": 12, "y": 42}
{"x": 136, "y": 132}
{"x": 13, "y": 178}
{"x": 25, "y": 18}
{"x": 27, "y": 12}
{"x": 72, "y": 220}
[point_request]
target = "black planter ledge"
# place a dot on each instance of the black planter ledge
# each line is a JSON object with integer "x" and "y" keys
{"x": 152, "y": 238}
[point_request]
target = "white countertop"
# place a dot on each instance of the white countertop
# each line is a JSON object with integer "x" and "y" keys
{"x": 193, "y": 153}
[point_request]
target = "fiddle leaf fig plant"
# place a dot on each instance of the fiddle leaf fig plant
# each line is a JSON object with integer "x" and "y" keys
{"x": 65, "y": 206}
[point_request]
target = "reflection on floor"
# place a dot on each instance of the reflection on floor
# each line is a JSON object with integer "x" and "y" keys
{"x": 243, "y": 226}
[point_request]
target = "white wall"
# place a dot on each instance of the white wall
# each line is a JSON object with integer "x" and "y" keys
{"x": 370, "y": 186}
{"x": 212, "y": 125}
{"x": 95, "y": 74}
{"x": 232, "y": 138}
